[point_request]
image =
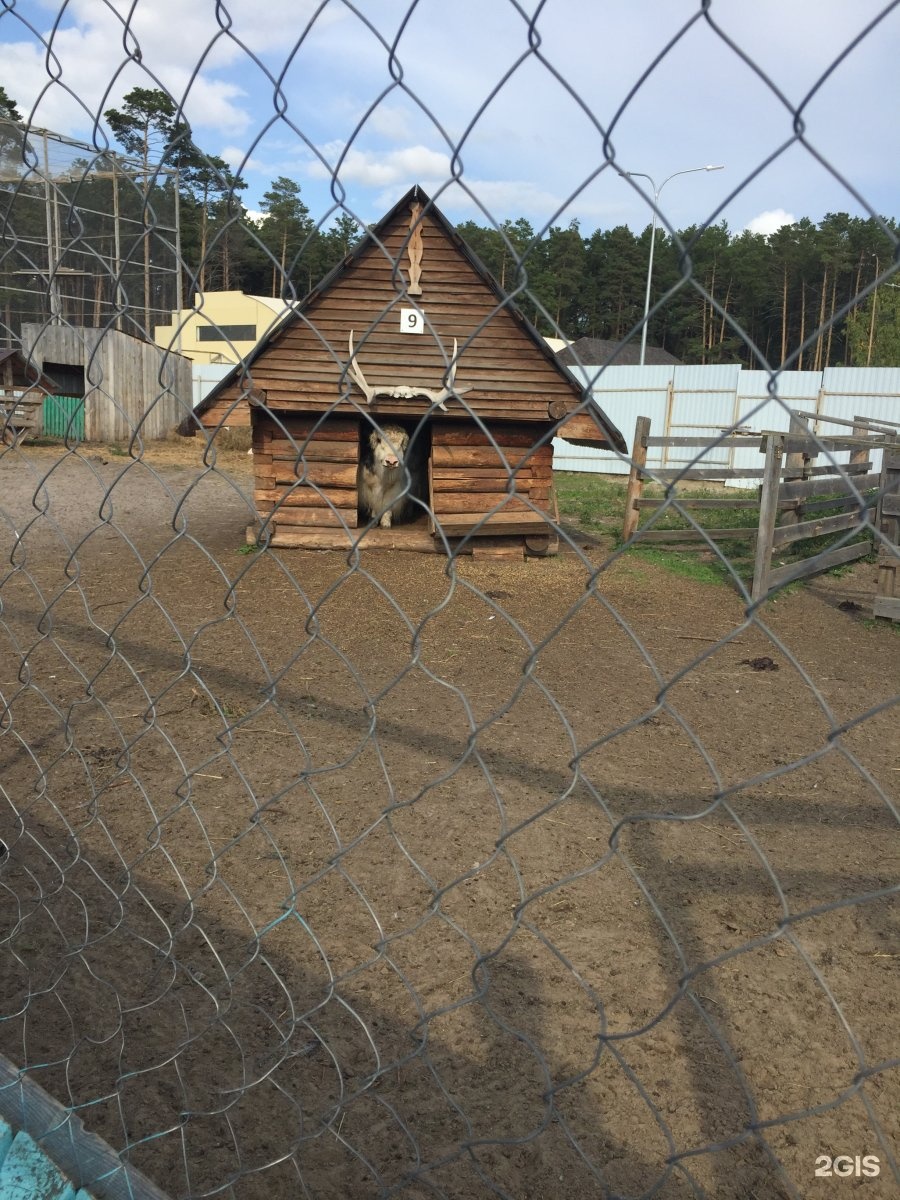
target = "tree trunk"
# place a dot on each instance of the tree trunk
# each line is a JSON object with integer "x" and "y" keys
{"x": 784, "y": 299}
{"x": 802, "y": 323}
{"x": 724, "y": 313}
{"x": 204, "y": 235}
{"x": 872, "y": 318}
{"x": 831, "y": 317}
{"x": 817, "y": 361}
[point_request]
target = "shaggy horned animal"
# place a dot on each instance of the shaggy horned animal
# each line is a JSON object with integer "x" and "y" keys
{"x": 387, "y": 477}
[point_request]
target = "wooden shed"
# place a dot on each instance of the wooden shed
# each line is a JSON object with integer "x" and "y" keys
{"x": 409, "y": 329}
{"x": 120, "y": 385}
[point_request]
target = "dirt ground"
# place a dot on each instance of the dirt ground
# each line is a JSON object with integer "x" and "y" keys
{"x": 504, "y": 879}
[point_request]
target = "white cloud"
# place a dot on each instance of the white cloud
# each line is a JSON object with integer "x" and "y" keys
{"x": 391, "y": 122}
{"x": 377, "y": 168}
{"x": 770, "y": 222}
{"x": 236, "y": 157}
{"x": 92, "y": 51}
{"x": 526, "y": 144}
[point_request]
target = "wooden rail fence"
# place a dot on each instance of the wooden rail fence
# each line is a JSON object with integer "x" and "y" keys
{"x": 850, "y": 499}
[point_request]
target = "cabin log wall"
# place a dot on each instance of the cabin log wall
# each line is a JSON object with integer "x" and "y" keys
{"x": 470, "y": 477}
{"x": 305, "y": 470}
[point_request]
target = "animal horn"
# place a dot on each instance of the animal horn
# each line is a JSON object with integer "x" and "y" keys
{"x": 356, "y": 374}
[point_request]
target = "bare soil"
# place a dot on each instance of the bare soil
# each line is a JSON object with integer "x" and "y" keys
{"x": 339, "y": 879}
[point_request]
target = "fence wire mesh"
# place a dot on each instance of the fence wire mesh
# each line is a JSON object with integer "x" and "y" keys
{"x": 348, "y": 874}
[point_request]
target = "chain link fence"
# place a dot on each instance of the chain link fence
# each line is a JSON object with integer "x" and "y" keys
{"x": 363, "y": 872}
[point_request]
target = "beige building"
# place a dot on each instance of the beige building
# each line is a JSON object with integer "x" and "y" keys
{"x": 222, "y": 327}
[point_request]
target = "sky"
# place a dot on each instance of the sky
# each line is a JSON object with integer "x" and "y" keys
{"x": 499, "y": 109}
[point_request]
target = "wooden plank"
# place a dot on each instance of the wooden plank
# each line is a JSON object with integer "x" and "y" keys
{"x": 333, "y": 428}
{"x": 635, "y": 484}
{"x": 293, "y": 445}
{"x": 725, "y": 443}
{"x": 289, "y": 437}
{"x": 848, "y": 503}
{"x": 499, "y": 549}
{"x": 887, "y": 606}
{"x": 444, "y": 433}
{"x": 444, "y": 475}
{"x": 768, "y": 512}
{"x": 713, "y": 473}
{"x": 866, "y": 422}
{"x": 815, "y": 566}
{"x": 487, "y": 405}
{"x": 738, "y": 533}
{"x": 496, "y": 481}
{"x": 890, "y": 504}
{"x": 452, "y": 502}
{"x": 863, "y": 481}
{"x": 459, "y": 523}
{"x": 323, "y": 516}
{"x": 819, "y": 526}
{"x": 413, "y": 538}
{"x": 474, "y": 456}
{"x": 316, "y": 451}
{"x": 709, "y": 474}
{"x": 692, "y": 502}
{"x": 582, "y": 430}
{"x": 796, "y": 466}
{"x": 322, "y": 474}
{"x": 307, "y": 497}
{"x": 814, "y": 446}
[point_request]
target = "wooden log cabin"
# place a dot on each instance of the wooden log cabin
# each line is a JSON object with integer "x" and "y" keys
{"x": 411, "y": 330}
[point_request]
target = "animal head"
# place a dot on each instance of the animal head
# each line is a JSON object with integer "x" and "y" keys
{"x": 389, "y": 445}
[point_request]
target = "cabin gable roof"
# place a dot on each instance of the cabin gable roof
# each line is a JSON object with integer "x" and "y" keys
{"x": 412, "y": 271}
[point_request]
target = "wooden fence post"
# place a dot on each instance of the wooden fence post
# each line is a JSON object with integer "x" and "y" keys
{"x": 860, "y": 429}
{"x": 635, "y": 487}
{"x": 768, "y": 514}
{"x": 795, "y": 465}
{"x": 887, "y": 599}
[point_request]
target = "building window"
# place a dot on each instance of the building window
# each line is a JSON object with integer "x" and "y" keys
{"x": 226, "y": 333}
{"x": 68, "y": 378}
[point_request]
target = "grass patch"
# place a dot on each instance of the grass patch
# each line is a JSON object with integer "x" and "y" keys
{"x": 689, "y": 564}
{"x": 597, "y": 503}
{"x": 591, "y": 502}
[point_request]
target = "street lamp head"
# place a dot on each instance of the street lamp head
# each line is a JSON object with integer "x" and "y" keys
{"x": 656, "y": 192}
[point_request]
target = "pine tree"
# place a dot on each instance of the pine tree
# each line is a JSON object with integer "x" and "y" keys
{"x": 286, "y": 232}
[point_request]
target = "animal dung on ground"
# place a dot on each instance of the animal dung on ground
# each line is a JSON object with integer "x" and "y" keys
{"x": 762, "y": 663}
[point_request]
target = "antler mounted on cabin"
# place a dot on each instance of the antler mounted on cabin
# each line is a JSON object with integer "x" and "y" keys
{"x": 403, "y": 391}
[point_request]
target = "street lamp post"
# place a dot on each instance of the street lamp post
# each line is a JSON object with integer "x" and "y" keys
{"x": 656, "y": 192}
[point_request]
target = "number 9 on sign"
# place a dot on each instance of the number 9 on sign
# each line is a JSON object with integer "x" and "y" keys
{"x": 411, "y": 321}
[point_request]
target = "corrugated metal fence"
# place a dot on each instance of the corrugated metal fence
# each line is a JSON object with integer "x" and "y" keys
{"x": 689, "y": 400}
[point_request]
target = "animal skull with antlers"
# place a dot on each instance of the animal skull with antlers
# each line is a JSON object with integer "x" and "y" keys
{"x": 402, "y": 391}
